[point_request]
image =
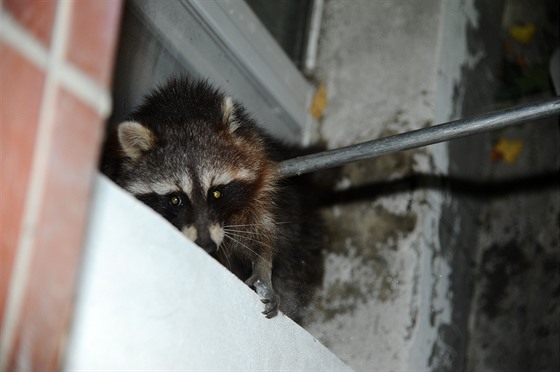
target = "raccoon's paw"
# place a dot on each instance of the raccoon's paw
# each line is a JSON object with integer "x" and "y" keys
{"x": 271, "y": 303}
{"x": 267, "y": 295}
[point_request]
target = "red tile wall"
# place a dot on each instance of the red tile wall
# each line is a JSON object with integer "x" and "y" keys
{"x": 21, "y": 82}
{"x": 41, "y": 111}
{"x": 37, "y": 16}
{"x": 93, "y": 26}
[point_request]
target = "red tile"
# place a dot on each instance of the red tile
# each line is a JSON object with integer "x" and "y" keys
{"x": 21, "y": 93}
{"x": 37, "y": 16}
{"x": 49, "y": 296}
{"x": 93, "y": 37}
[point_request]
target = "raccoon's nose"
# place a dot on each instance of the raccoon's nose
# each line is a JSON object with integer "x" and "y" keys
{"x": 207, "y": 244}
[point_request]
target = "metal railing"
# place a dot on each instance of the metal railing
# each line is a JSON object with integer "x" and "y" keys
{"x": 421, "y": 137}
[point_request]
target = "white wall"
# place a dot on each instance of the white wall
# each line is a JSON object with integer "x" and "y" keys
{"x": 150, "y": 299}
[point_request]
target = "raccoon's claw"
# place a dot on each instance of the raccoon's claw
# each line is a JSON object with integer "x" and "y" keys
{"x": 267, "y": 295}
{"x": 271, "y": 306}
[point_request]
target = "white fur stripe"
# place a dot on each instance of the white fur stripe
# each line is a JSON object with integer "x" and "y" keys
{"x": 190, "y": 232}
{"x": 160, "y": 188}
{"x": 210, "y": 179}
{"x": 216, "y": 233}
{"x": 187, "y": 185}
{"x": 215, "y": 178}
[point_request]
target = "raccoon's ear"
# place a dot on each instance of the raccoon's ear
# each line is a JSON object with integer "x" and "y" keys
{"x": 135, "y": 139}
{"x": 228, "y": 110}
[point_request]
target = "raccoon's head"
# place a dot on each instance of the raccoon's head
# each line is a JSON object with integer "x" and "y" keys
{"x": 195, "y": 157}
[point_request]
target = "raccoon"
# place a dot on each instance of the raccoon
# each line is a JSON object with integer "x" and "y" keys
{"x": 195, "y": 156}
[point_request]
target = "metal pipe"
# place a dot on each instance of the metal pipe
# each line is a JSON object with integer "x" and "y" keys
{"x": 421, "y": 137}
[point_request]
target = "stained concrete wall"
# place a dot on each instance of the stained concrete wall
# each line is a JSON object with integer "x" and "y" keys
{"x": 429, "y": 267}
{"x": 390, "y": 67}
{"x": 512, "y": 210}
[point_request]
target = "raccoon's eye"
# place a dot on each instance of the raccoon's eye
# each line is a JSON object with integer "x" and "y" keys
{"x": 175, "y": 201}
{"x": 216, "y": 194}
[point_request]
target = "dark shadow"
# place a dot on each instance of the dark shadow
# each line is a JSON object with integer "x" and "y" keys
{"x": 454, "y": 185}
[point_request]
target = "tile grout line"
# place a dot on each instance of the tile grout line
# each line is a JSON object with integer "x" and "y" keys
{"x": 18, "y": 38}
{"x": 71, "y": 77}
{"x": 85, "y": 88}
{"x": 37, "y": 180}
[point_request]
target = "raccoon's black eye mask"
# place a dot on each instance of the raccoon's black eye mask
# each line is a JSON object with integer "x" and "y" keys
{"x": 230, "y": 196}
{"x": 167, "y": 205}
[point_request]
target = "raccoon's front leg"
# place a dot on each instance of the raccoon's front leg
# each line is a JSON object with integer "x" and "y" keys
{"x": 261, "y": 280}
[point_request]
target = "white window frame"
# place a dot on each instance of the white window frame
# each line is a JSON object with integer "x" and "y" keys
{"x": 225, "y": 42}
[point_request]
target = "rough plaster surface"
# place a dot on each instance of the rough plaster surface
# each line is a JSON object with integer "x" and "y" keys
{"x": 386, "y": 298}
{"x": 516, "y": 309}
{"x": 378, "y": 59}
{"x": 510, "y": 222}
{"x": 151, "y": 300}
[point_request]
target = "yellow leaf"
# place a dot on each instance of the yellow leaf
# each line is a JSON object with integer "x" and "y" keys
{"x": 319, "y": 102}
{"x": 523, "y": 33}
{"x": 507, "y": 150}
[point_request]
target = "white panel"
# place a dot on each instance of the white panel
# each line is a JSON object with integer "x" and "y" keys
{"x": 148, "y": 299}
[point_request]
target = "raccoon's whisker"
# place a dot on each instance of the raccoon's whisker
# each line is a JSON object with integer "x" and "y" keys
{"x": 250, "y": 227}
{"x": 227, "y": 260}
{"x": 242, "y": 231}
{"x": 252, "y": 235}
{"x": 245, "y": 234}
{"x": 247, "y": 225}
{"x": 232, "y": 238}
{"x": 257, "y": 224}
{"x": 238, "y": 242}
{"x": 240, "y": 236}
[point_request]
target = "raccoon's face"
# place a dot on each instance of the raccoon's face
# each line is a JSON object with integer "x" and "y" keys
{"x": 202, "y": 176}
{"x": 202, "y": 215}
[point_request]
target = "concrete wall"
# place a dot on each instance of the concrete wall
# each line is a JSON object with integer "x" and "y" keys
{"x": 389, "y": 301}
{"x": 509, "y": 219}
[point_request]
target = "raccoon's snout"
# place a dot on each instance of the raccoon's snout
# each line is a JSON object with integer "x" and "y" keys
{"x": 209, "y": 246}
{"x": 208, "y": 239}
